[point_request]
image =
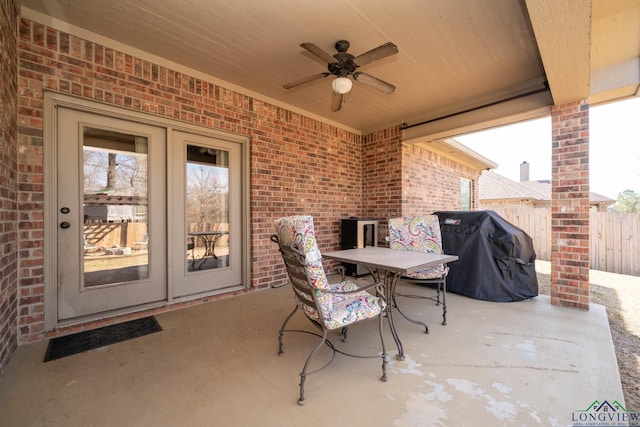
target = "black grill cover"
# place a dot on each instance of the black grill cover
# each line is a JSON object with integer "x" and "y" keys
{"x": 497, "y": 259}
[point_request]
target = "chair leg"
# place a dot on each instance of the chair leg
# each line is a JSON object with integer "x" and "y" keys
{"x": 444, "y": 302}
{"x": 281, "y": 333}
{"x": 384, "y": 349}
{"x": 303, "y": 374}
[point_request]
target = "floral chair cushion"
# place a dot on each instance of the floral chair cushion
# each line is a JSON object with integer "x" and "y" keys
{"x": 299, "y": 229}
{"x": 420, "y": 234}
{"x": 337, "y": 310}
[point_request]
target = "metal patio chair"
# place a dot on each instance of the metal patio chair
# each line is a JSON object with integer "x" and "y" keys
{"x": 142, "y": 244}
{"x": 329, "y": 307}
{"x": 422, "y": 234}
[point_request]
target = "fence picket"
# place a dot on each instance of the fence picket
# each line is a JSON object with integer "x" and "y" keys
{"x": 615, "y": 238}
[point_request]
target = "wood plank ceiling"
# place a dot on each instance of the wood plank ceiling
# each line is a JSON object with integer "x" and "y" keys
{"x": 453, "y": 55}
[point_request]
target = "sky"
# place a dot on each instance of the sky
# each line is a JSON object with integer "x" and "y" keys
{"x": 614, "y": 148}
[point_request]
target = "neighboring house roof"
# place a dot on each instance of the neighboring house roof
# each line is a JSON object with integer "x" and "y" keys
{"x": 493, "y": 186}
{"x": 599, "y": 198}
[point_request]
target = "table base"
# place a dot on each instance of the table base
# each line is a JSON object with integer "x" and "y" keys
{"x": 390, "y": 283}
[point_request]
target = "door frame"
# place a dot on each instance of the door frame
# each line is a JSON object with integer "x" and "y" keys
{"x": 52, "y": 101}
{"x": 75, "y": 298}
{"x": 197, "y": 281}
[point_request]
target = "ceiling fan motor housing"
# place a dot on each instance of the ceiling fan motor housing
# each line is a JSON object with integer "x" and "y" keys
{"x": 342, "y": 45}
{"x": 345, "y": 64}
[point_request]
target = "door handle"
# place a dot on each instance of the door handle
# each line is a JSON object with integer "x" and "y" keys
{"x": 65, "y": 224}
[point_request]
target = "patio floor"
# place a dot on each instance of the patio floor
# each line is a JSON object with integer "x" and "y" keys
{"x": 525, "y": 363}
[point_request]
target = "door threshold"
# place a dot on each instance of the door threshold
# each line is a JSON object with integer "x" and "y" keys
{"x": 206, "y": 294}
{"x": 108, "y": 317}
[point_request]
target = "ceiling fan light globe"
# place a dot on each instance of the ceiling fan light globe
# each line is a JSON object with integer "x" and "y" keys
{"x": 341, "y": 85}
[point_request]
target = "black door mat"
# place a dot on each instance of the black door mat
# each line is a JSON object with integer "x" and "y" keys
{"x": 90, "y": 340}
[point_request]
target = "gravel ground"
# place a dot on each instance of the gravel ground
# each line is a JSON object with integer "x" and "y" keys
{"x": 620, "y": 294}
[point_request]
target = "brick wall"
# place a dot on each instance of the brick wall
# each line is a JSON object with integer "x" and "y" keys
{"x": 570, "y": 205}
{"x": 405, "y": 179}
{"x": 314, "y": 171}
{"x": 298, "y": 165}
{"x": 382, "y": 174}
{"x": 8, "y": 182}
{"x": 431, "y": 182}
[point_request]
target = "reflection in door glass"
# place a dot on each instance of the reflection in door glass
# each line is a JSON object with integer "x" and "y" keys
{"x": 116, "y": 241}
{"x": 207, "y": 208}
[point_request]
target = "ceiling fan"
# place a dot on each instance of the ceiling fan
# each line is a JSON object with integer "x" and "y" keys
{"x": 343, "y": 64}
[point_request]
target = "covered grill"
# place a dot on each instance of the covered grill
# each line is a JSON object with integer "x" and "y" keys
{"x": 497, "y": 259}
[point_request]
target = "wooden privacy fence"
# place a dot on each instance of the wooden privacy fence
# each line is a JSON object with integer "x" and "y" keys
{"x": 615, "y": 238}
{"x": 110, "y": 234}
{"x": 615, "y": 242}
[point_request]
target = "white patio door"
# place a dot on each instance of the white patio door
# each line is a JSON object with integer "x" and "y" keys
{"x": 111, "y": 214}
{"x": 206, "y": 212}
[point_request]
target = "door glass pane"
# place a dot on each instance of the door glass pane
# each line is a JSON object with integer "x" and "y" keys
{"x": 115, "y": 191}
{"x": 207, "y": 208}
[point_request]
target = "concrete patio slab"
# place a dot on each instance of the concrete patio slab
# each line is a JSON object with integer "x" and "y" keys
{"x": 525, "y": 363}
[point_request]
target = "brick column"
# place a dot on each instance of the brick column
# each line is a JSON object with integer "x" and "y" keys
{"x": 9, "y": 172}
{"x": 570, "y": 205}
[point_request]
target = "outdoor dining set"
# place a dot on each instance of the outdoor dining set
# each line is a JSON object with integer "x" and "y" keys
{"x": 414, "y": 254}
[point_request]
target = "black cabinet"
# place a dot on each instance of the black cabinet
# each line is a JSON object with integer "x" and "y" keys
{"x": 358, "y": 233}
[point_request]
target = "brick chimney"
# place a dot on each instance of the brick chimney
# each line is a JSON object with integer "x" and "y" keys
{"x": 524, "y": 171}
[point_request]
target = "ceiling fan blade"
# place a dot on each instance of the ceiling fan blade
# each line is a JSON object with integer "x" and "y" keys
{"x": 379, "y": 52}
{"x": 336, "y": 101}
{"x": 305, "y": 80}
{"x": 374, "y": 82}
{"x": 319, "y": 52}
